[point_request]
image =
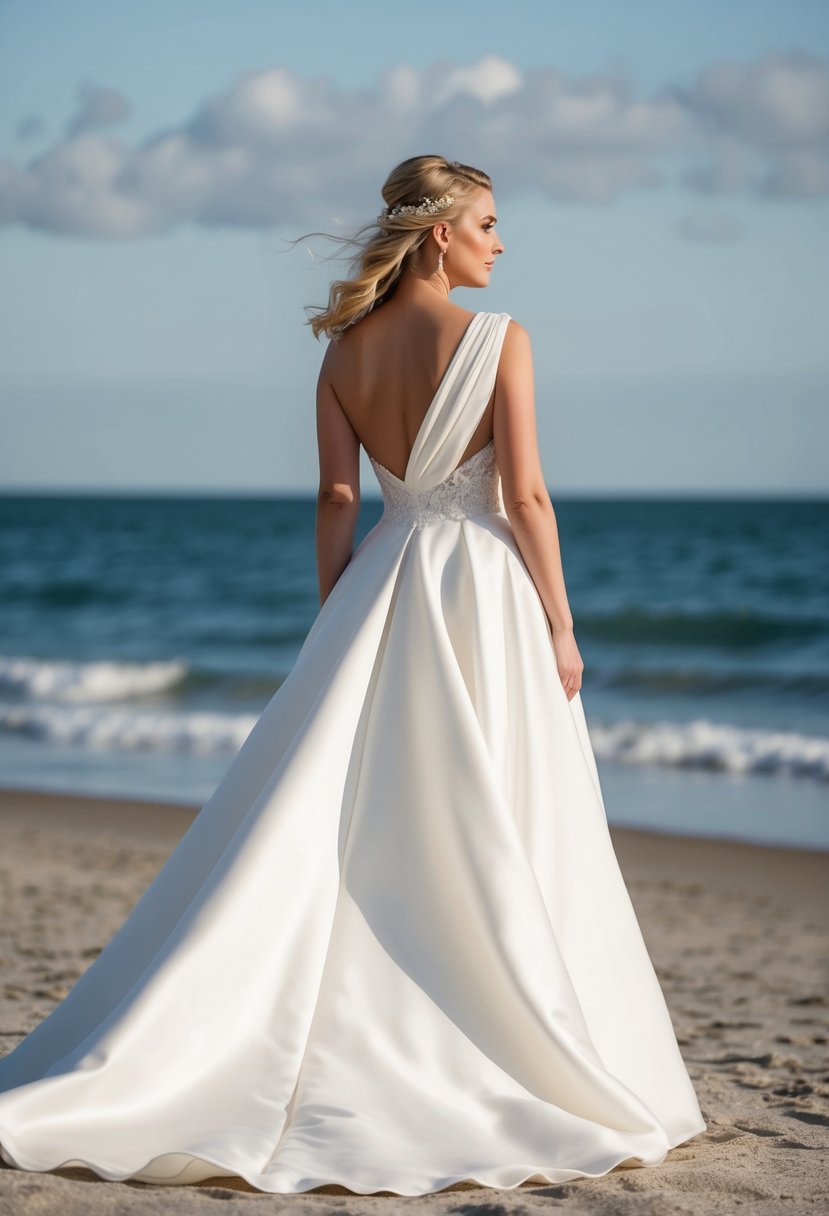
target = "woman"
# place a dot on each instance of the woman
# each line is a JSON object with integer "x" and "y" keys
{"x": 394, "y": 950}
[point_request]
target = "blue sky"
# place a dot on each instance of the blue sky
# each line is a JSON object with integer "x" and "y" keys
{"x": 661, "y": 172}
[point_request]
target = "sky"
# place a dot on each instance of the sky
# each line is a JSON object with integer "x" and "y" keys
{"x": 661, "y": 177}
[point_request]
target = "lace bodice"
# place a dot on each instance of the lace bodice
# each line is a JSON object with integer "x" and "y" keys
{"x": 473, "y": 488}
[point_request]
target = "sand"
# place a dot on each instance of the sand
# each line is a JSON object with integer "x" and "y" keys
{"x": 737, "y": 933}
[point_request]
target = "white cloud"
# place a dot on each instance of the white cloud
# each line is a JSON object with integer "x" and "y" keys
{"x": 765, "y": 124}
{"x": 488, "y": 80}
{"x": 782, "y": 100}
{"x": 276, "y": 148}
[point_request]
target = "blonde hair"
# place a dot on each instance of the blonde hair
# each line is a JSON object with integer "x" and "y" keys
{"x": 386, "y": 245}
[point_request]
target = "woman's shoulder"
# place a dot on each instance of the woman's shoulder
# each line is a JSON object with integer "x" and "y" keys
{"x": 514, "y": 329}
{"x": 512, "y": 326}
{"x": 515, "y": 357}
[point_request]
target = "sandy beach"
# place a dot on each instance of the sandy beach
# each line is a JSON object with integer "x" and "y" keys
{"x": 737, "y": 933}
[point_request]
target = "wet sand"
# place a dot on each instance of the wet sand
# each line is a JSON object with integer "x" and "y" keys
{"x": 737, "y": 933}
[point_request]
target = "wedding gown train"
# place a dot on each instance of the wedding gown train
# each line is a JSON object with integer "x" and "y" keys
{"x": 394, "y": 950}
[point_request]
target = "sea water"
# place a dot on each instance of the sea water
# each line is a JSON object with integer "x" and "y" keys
{"x": 141, "y": 636}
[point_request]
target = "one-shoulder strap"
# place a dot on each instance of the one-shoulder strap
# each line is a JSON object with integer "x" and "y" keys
{"x": 459, "y": 404}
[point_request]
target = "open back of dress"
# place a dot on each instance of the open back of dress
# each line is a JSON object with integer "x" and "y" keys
{"x": 394, "y": 950}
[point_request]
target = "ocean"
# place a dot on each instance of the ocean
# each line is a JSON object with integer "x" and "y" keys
{"x": 141, "y": 636}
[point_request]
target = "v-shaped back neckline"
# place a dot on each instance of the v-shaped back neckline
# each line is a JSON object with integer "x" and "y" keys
{"x": 457, "y": 469}
{"x": 435, "y": 398}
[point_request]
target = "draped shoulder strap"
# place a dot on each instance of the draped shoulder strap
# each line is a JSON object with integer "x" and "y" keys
{"x": 459, "y": 403}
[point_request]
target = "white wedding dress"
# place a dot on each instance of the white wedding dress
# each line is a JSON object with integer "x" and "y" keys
{"x": 394, "y": 950}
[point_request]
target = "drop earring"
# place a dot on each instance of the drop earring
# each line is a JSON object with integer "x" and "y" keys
{"x": 440, "y": 261}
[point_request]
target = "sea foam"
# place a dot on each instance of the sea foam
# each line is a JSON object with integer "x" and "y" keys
{"x": 94, "y": 681}
{"x": 700, "y": 744}
{"x": 129, "y": 729}
{"x": 716, "y": 746}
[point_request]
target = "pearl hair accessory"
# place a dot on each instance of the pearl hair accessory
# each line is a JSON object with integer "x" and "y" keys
{"x": 424, "y": 206}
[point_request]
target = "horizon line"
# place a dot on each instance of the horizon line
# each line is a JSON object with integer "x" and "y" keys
{"x": 149, "y": 492}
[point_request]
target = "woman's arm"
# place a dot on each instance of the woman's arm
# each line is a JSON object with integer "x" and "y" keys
{"x": 526, "y": 500}
{"x": 338, "y": 498}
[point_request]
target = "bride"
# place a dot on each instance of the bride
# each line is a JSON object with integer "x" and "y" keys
{"x": 394, "y": 951}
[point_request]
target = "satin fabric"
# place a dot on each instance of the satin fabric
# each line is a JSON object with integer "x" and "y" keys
{"x": 394, "y": 950}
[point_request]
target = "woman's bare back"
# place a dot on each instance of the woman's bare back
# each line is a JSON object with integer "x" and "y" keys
{"x": 386, "y": 372}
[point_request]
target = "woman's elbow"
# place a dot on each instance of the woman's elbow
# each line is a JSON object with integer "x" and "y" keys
{"x": 338, "y": 496}
{"x": 527, "y": 504}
